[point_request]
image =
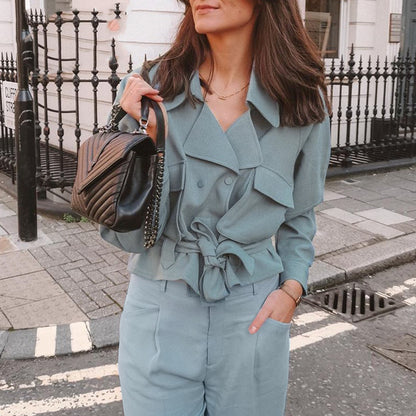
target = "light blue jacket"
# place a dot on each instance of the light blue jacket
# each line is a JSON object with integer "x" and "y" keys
{"x": 227, "y": 194}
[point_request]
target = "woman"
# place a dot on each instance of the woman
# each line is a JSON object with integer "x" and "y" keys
{"x": 205, "y": 326}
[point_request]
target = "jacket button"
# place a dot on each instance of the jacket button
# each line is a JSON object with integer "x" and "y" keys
{"x": 228, "y": 180}
{"x": 200, "y": 183}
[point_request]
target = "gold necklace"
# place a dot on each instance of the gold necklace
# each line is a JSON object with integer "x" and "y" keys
{"x": 224, "y": 97}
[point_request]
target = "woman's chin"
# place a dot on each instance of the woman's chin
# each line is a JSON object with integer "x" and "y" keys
{"x": 204, "y": 28}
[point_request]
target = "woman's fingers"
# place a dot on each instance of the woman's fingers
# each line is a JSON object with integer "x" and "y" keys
{"x": 258, "y": 321}
{"x": 276, "y": 306}
{"x": 131, "y": 98}
{"x": 135, "y": 89}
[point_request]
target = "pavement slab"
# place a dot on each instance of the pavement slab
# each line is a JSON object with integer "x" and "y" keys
{"x": 332, "y": 236}
{"x": 31, "y": 287}
{"x": 17, "y": 263}
{"x": 4, "y": 322}
{"x": 384, "y": 216}
{"x": 6, "y": 245}
{"x": 5, "y": 211}
{"x": 56, "y": 310}
{"x": 9, "y": 224}
{"x": 379, "y": 229}
{"x": 361, "y": 194}
{"x": 406, "y": 227}
{"x": 343, "y": 215}
{"x": 350, "y": 204}
{"x": 331, "y": 196}
{"x": 396, "y": 205}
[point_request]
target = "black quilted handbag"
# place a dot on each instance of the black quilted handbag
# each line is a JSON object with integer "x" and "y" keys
{"x": 119, "y": 175}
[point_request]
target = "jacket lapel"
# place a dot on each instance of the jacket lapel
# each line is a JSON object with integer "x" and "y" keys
{"x": 207, "y": 141}
{"x": 243, "y": 138}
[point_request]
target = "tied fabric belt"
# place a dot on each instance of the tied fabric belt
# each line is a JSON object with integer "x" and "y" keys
{"x": 219, "y": 273}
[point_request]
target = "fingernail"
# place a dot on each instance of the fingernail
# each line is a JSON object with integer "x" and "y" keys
{"x": 252, "y": 329}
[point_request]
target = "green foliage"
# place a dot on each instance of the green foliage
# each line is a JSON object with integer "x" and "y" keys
{"x": 68, "y": 218}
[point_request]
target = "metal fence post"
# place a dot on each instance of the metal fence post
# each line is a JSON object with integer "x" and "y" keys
{"x": 25, "y": 131}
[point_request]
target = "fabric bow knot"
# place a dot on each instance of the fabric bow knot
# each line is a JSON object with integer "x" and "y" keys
{"x": 218, "y": 275}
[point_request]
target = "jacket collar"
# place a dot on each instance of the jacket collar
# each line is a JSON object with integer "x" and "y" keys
{"x": 256, "y": 96}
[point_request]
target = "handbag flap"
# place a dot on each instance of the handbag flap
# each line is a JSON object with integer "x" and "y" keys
{"x": 102, "y": 151}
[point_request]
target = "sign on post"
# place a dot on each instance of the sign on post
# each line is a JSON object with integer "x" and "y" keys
{"x": 9, "y": 90}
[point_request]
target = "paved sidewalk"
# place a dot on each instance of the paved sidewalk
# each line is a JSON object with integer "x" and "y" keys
{"x": 64, "y": 292}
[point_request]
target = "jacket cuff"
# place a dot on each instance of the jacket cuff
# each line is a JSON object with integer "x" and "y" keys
{"x": 295, "y": 270}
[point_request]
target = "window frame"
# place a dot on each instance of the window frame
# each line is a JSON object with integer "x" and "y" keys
{"x": 343, "y": 34}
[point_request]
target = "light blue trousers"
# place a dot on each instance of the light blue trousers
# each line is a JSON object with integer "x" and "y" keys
{"x": 182, "y": 356}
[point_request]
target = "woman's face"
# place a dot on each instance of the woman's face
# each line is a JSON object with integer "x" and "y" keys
{"x": 216, "y": 16}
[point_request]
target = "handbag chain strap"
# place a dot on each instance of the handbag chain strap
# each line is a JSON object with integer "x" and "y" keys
{"x": 151, "y": 224}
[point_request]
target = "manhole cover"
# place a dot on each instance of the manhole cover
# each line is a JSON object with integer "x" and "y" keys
{"x": 401, "y": 350}
{"x": 353, "y": 302}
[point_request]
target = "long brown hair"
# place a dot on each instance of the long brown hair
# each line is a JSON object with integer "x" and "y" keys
{"x": 286, "y": 61}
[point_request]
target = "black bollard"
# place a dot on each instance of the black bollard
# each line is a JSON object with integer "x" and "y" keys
{"x": 25, "y": 131}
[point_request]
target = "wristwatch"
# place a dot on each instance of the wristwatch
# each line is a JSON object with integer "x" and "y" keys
{"x": 288, "y": 292}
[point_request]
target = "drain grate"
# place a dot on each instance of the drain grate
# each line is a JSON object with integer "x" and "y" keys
{"x": 354, "y": 302}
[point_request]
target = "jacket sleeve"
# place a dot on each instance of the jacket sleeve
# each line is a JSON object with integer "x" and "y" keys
{"x": 133, "y": 241}
{"x": 294, "y": 237}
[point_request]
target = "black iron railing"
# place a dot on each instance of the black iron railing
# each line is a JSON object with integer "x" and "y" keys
{"x": 374, "y": 110}
{"x": 56, "y": 163}
{"x": 373, "y": 102}
{"x": 8, "y": 72}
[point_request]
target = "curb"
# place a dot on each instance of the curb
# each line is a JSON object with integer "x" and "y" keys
{"x": 364, "y": 261}
{"x": 56, "y": 340}
{"x": 85, "y": 336}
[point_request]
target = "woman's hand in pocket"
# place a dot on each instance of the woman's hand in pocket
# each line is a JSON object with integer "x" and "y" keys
{"x": 278, "y": 306}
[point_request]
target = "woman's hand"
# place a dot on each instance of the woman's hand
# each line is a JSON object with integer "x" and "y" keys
{"x": 278, "y": 306}
{"x": 130, "y": 101}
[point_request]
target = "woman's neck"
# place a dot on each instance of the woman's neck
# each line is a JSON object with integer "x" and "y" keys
{"x": 230, "y": 60}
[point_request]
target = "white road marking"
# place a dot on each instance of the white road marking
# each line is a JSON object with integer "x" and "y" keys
{"x": 310, "y": 317}
{"x": 45, "y": 341}
{"x": 410, "y": 282}
{"x": 4, "y": 386}
{"x": 410, "y": 301}
{"x": 79, "y": 375}
{"x": 80, "y": 336}
{"x": 395, "y": 290}
{"x": 317, "y": 335}
{"x": 53, "y": 405}
{"x": 73, "y": 376}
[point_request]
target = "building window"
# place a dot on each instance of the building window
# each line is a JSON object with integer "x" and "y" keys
{"x": 322, "y": 21}
{"x": 51, "y": 6}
